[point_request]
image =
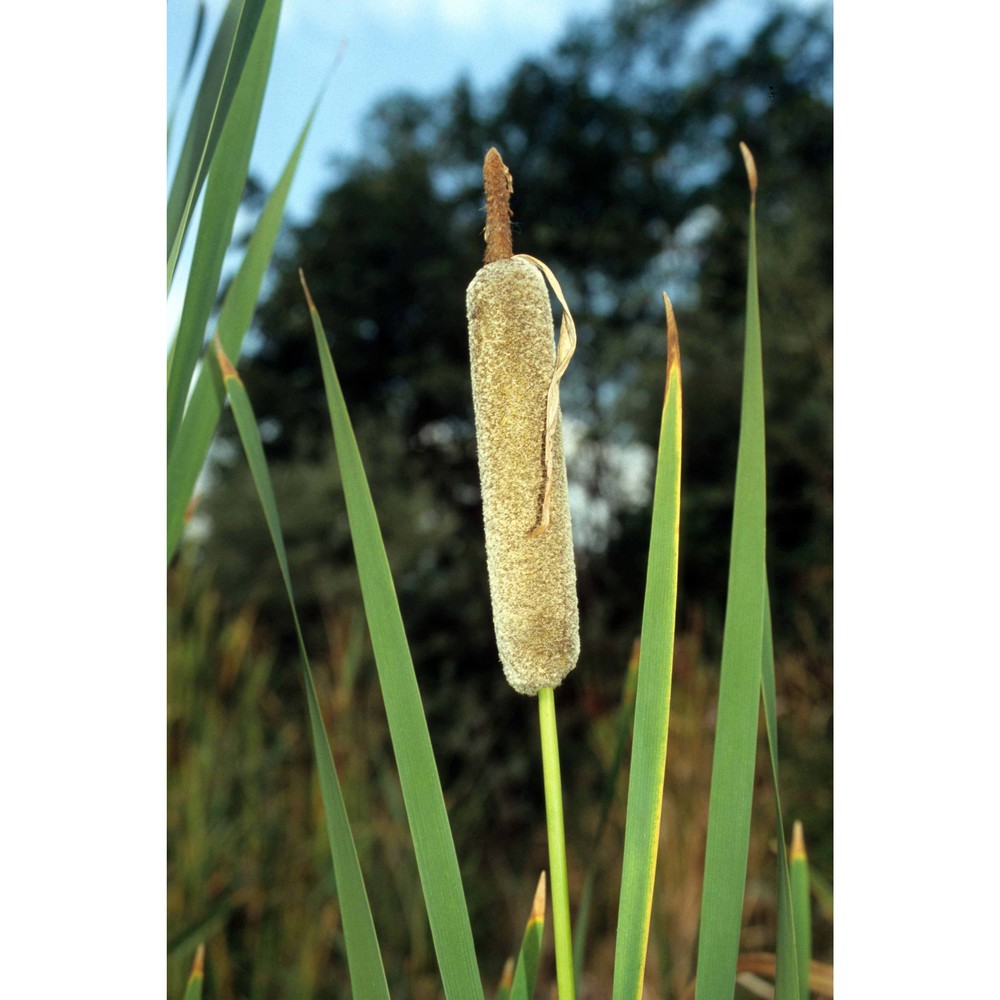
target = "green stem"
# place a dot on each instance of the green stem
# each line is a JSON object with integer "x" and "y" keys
{"x": 557, "y": 845}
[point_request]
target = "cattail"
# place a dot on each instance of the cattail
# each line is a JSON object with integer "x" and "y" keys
{"x": 515, "y": 379}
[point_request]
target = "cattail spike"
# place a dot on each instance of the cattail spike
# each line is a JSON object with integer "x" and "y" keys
{"x": 522, "y": 471}
{"x": 499, "y": 186}
{"x": 532, "y": 573}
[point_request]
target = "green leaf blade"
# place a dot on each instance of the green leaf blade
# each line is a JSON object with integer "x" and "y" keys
{"x": 652, "y": 705}
{"x": 526, "y": 972}
{"x": 799, "y": 879}
{"x": 187, "y": 457}
{"x": 434, "y": 847}
{"x": 363, "y": 956}
{"x": 215, "y": 94}
{"x": 506, "y": 981}
{"x": 731, "y": 794}
{"x": 364, "y": 959}
{"x": 787, "y": 973}
{"x": 196, "y": 980}
{"x": 223, "y": 194}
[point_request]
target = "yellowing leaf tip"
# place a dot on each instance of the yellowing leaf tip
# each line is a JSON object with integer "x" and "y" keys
{"x": 798, "y": 849}
{"x": 751, "y": 166}
{"x": 507, "y": 977}
{"x": 198, "y": 968}
{"x": 673, "y": 339}
{"x": 225, "y": 365}
{"x": 538, "y": 904}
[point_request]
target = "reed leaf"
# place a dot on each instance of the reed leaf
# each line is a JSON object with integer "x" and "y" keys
{"x": 187, "y": 456}
{"x": 789, "y": 973}
{"x": 652, "y": 704}
{"x": 433, "y": 844}
{"x": 799, "y": 877}
{"x": 526, "y": 972}
{"x": 223, "y": 194}
{"x": 197, "y": 978}
{"x": 506, "y": 980}
{"x": 731, "y": 792}
{"x": 363, "y": 957}
{"x": 223, "y": 70}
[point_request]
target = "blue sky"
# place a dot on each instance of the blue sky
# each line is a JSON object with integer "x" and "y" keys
{"x": 415, "y": 45}
{"x": 421, "y": 46}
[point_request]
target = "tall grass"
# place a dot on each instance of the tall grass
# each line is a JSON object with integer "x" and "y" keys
{"x": 214, "y": 160}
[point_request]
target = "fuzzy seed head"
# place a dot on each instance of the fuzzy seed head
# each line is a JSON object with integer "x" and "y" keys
{"x": 532, "y": 579}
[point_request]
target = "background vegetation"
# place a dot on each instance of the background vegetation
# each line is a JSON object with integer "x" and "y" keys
{"x": 623, "y": 146}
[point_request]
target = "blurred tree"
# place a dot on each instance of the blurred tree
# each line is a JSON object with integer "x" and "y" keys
{"x": 623, "y": 146}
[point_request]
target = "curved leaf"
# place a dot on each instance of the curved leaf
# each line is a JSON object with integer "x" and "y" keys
{"x": 187, "y": 456}
{"x": 731, "y": 793}
{"x": 218, "y": 85}
{"x": 223, "y": 194}
{"x": 433, "y": 845}
{"x": 363, "y": 957}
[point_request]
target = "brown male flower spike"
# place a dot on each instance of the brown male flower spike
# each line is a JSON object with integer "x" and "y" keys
{"x": 499, "y": 186}
{"x": 515, "y": 391}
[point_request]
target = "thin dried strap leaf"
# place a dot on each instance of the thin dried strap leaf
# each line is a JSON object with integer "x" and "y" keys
{"x": 564, "y": 351}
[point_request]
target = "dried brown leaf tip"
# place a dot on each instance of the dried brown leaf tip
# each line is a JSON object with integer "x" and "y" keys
{"x": 499, "y": 186}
